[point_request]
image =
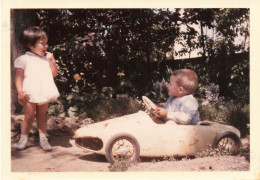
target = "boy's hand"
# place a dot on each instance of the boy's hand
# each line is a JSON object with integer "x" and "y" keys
{"x": 161, "y": 112}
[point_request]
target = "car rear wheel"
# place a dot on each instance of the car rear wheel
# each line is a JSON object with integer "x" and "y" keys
{"x": 228, "y": 142}
{"x": 122, "y": 147}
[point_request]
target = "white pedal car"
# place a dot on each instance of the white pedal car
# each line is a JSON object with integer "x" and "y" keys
{"x": 143, "y": 135}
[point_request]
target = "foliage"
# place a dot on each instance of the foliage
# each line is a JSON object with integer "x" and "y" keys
{"x": 97, "y": 44}
{"x": 120, "y": 165}
{"x": 236, "y": 82}
{"x": 221, "y": 110}
{"x": 245, "y": 151}
{"x": 204, "y": 18}
{"x": 96, "y": 107}
{"x": 213, "y": 152}
{"x": 107, "y": 109}
{"x": 104, "y": 52}
{"x": 232, "y": 23}
{"x": 159, "y": 92}
{"x": 93, "y": 46}
{"x": 229, "y": 25}
{"x": 227, "y": 112}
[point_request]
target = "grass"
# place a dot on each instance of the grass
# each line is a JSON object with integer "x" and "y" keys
{"x": 120, "y": 165}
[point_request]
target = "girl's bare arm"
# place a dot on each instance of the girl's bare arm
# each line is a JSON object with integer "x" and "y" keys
{"x": 19, "y": 75}
{"x": 54, "y": 68}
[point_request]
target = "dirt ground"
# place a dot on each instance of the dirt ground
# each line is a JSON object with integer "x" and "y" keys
{"x": 66, "y": 157}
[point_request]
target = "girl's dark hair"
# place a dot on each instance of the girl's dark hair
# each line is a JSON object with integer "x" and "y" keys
{"x": 30, "y": 36}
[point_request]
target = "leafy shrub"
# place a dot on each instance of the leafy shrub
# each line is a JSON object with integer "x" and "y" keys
{"x": 159, "y": 94}
{"x": 218, "y": 109}
{"x": 245, "y": 151}
{"x": 105, "y": 109}
{"x": 96, "y": 106}
{"x": 120, "y": 165}
{"x": 212, "y": 152}
{"x": 228, "y": 112}
{"x": 239, "y": 117}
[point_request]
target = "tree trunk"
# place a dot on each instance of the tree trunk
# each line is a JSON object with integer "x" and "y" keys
{"x": 202, "y": 39}
{"x": 20, "y": 20}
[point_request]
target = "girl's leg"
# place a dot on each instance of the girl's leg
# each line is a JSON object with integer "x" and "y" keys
{"x": 41, "y": 123}
{"x": 41, "y": 117}
{"x": 29, "y": 114}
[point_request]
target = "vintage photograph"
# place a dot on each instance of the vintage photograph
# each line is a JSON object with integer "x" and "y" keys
{"x": 130, "y": 89}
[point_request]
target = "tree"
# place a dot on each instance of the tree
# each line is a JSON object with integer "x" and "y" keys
{"x": 98, "y": 48}
{"x": 98, "y": 44}
{"x": 230, "y": 23}
{"x": 203, "y": 18}
{"x": 227, "y": 24}
{"x": 20, "y": 20}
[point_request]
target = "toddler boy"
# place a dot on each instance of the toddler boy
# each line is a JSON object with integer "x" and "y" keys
{"x": 181, "y": 107}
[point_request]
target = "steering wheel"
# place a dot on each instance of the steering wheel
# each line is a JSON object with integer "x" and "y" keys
{"x": 149, "y": 105}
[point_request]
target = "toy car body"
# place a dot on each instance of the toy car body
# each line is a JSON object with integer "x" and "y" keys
{"x": 141, "y": 135}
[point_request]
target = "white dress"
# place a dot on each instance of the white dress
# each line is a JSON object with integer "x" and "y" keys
{"x": 38, "y": 81}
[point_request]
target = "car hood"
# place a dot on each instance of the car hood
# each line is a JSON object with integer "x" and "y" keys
{"x": 128, "y": 123}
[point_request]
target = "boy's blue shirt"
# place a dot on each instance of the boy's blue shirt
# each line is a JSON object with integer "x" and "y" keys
{"x": 184, "y": 110}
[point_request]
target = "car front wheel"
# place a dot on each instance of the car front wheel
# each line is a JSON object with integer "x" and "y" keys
{"x": 122, "y": 147}
{"x": 228, "y": 142}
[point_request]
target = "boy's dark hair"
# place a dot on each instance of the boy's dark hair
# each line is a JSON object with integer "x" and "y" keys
{"x": 30, "y": 36}
{"x": 186, "y": 78}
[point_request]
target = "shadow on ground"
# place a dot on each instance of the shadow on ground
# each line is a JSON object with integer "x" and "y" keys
{"x": 94, "y": 158}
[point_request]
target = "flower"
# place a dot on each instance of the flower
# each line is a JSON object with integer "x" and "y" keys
{"x": 205, "y": 103}
{"x": 121, "y": 74}
{"x": 77, "y": 77}
{"x": 212, "y": 92}
{"x": 159, "y": 86}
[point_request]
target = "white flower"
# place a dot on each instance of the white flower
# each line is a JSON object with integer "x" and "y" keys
{"x": 205, "y": 103}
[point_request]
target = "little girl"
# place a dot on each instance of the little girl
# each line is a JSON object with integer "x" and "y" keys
{"x": 34, "y": 72}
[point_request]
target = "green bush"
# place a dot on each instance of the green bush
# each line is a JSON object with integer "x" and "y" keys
{"x": 95, "y": 106}
{"x": 211, "y": 152}
{"x": 228, "y": 112}
{"x": 121, "y": 165}
{"x": 106, "y": 109}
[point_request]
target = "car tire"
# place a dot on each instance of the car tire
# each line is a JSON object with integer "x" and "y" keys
{"x": 227, "y": 141}
{"x": 127, "y": 144}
